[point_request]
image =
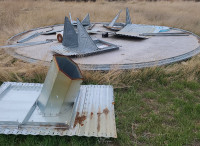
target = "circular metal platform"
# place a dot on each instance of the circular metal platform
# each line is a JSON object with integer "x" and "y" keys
{"x": 132, "y": 53}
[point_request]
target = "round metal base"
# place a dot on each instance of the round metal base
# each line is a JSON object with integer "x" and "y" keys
{"x": 132, "y": 53}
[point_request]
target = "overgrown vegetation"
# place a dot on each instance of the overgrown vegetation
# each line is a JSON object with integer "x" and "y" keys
{"x": 154, "y": 106}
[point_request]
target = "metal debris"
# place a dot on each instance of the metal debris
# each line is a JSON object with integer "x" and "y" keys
{"x": 26, "y": 44}
{"x": 34, "y": 35}
{"x": 63, "y": 107}
{"x": 113, "y": 25}
{"x": 135, "y": 30}
{"x": 61, "y": 87}
{"x": 92, "y": 116}
{"x": 85, "y": 42}
{"x": 118, "y": 26}
{"x": 70, "y": 38}
{"x": 164, "y": 34}
{"x": 51, "y": 32}
{"x": 115, "y": 19}
{"x": 128, "y": 18}
{"x": 86, "y": 20}
{"x": 80, "y": 44}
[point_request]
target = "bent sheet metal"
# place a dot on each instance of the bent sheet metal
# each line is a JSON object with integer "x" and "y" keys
{"x": 93, "y": 112}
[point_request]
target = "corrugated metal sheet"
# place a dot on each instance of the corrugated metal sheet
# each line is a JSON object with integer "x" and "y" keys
{"x": 93, "y": 112}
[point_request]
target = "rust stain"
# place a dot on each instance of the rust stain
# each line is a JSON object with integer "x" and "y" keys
{"x": 106, "y": 111}
{"x": 61, "y": 128}
{"x": 79, "y": 119}
{"x": 113, "y": 103}
{"x": 91, "y": 115}
{"x": 98, "y": 119}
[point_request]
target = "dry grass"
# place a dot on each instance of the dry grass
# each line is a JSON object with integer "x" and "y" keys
{"x": 17, "y": 16}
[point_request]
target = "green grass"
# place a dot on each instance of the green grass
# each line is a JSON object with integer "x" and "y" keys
{"x": 158, "y": 108}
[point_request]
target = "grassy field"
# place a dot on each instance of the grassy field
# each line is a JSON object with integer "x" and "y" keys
{"x": 154, "y": 106}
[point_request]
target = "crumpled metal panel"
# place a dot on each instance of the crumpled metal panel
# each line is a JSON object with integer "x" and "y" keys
{"x": 93, "y": 112}
{"x": 135, "y": 30}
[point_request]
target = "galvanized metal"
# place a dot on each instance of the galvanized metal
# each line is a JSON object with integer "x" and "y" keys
{"x": 61, "y": 87}
{"x": 29, "y": 37}
{"x": 52, "y": 32}
{"x": 93, "y": 112}
{"x": 26, "y": 44}
{"x": 85, "y": 42}
{"x": 15, "y": 104}
{"x": 84, "y": 46}
{"x": 128, "y": 18}
{"x": 135, "y": 30}
{"x": 118, "y": 26}
{"x": 115, "y": 19}
{"x": 113, "y": 25}
{"x": 164, "y": 34}
{"x": 70, "y": 38}
{"x": 86, "y": 20}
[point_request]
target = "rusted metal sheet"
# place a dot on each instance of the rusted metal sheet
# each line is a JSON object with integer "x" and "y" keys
{"x": 93, "y": 112}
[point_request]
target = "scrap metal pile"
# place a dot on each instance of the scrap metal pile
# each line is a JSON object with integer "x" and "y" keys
{"x": 103, "y": 45}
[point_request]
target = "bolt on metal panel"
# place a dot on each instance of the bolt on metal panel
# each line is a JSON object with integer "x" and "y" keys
{"x": 61, "y": 86}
